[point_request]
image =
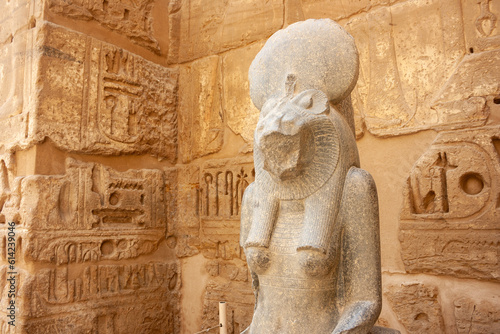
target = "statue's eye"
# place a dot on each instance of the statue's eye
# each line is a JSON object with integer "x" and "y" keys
{"x": 313, "y": 101}
{"x": 268, "y": 106}
{"x": 306, "y": 102}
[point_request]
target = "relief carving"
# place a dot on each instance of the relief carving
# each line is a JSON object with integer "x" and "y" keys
{"x": 91, "y": 213}
{"x": 240, "y": 301}
{"x": 417, "y": 307}
{"x": 53, "y": 287}
{"x": 125, "y": 298}
{"x": 418, "y": 71}
{"x": 128, "y": 17}
{"x": 479, "y": 317}
{"x": 229, "y": 282}
{"x": 115, "y": 102}
{"x": 17, "y": 65}
{"x": 481, "y": 25}
{"x": 449, "y": 220}
{"x": 222, "y": 184}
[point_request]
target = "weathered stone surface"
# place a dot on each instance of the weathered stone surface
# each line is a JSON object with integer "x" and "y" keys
{"x": 337, "y": 10}
{"x": 239, "y": 111}
{"x": 425, "y": 64}
{"x": 209, "y": 27}
{"x": 90, "y": 214}
{"x": 183, "y": 191}
{"x": 114, "y": 101}
{"x": 479, "y": 317}
{"x": 91, "y": 196}
{"x": 84, "y": 230}
{"x": 449, "y": 220}
{"x": 200, "y": 110}
{"x": 414, "y": 69}
{"x": 123, "y": 298}
{"x": 309, "y": 222}
{"x": 417, "y": 307}
{"x": 133, "y": 19}
{"x": 17, "y": 68}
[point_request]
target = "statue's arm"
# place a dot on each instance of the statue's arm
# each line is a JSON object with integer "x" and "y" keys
{"x": 245, "y": 224}
{"x": 246, "y": 213}
{"x": 360, "y": 254}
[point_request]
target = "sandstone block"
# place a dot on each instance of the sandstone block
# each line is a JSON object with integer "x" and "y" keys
{"x": 240, "y": 301}
{"x": 240, "y": 113}
{"x": 413, "y": 65}
{"x": 338, "y": 10}
{"x": 114, "y": 102}
{"x": 417, "y": 307}
{"x": 133, "y": 19}
{"x": 128, "y": 298}
{"x": 200, "y": 112}
{"x": 90, "y": 214}
{"x": 210, "y": 27}
{"x": 479, "y": 317}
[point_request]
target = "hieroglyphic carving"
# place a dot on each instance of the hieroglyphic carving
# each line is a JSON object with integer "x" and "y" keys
{"x": 54, "y": 287}
{"x": 64, "y": 248}
{"x": 482, "y": 29}
{"x": 208, "y": 207}
{"x": 449, "y": 220}
{"x": 222, "y": 184}
{"x": 130, "y": 18}
{"x": 91, "y": 196}
{"x": 481, "y": 317}
{"x": 417, "y": 307}
{"x": 114, "y": 102}
{"x": 91, "y": 213}
{"x": 146, "y": 317}
{"x": 128, "y": 297}
{"x": 412, "y": 76}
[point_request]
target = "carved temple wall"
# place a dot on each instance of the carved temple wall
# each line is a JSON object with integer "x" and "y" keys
{"x": 126, "y": 139}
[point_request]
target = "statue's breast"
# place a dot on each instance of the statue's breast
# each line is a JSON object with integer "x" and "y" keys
{"x": 281, "y": 262}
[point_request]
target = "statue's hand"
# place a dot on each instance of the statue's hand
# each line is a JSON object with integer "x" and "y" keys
{"x": 357, "y": 318}
{"x": 258, "y": 259}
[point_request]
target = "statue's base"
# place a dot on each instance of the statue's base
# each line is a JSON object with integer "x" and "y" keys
{"x": 383, "y": 330}
{"x": 375, "y": 330}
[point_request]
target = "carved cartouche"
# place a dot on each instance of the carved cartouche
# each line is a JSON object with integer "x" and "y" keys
{"x": 309, "y": 222}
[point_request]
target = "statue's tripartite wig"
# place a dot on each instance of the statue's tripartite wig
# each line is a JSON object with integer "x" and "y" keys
{"x": 319, "y": 53}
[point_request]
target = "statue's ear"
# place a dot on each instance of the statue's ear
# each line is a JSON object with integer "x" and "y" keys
{"x": 313, "y": 101}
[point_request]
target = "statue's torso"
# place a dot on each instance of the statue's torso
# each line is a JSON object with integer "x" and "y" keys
{"x": 294, "y": 297}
